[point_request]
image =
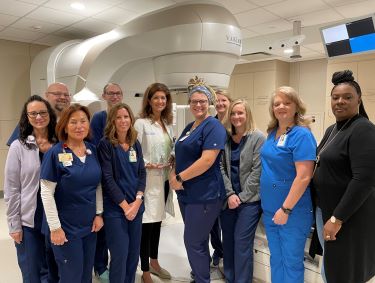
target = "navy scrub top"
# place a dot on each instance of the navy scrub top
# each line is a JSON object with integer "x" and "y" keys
{"x": 209, "y": 186}
{"x": 75, "y": 193}
{"x": 122, "y": 177}
{"x": 278, "y": 168}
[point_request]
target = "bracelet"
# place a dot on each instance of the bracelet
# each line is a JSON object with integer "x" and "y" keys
{"x": 287, "y": 211}
{"x": 179, "y": 179}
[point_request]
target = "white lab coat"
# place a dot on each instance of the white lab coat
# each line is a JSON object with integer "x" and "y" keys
{"x": 151, "y": 138}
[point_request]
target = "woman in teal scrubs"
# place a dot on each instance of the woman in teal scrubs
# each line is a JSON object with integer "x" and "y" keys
{"x": 287, "y": 157}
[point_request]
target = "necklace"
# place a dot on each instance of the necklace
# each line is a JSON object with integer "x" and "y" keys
{"x": 193, "y": 127}
{"x": 328, "y": 142}
{"x": 79, "y": 150}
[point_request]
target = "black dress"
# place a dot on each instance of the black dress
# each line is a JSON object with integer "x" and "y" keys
{"x": 345, "y": 187}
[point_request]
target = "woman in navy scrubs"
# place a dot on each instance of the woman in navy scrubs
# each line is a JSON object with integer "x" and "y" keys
{"x": 287, "y": 157}
{"x": 22, "y": 190}
{"x": 71, "y": 194}
{"x": 199, "y": 183}
{"x": 241, "y": 172}
{"x": 124, "y": 181}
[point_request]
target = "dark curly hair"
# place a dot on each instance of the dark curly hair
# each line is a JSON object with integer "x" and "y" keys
{"x": 26, "y": 129}
{"x": 346, "y": 77}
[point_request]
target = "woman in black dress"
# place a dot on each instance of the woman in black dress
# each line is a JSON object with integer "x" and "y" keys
{"x": 345, "y": 185}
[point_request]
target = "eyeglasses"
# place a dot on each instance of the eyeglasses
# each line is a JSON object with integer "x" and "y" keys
{"x": 201, "y": 102}
{"x": 64, "y": 94}
{"x": 34, "y": 114}
{"x": 112, "y": 93}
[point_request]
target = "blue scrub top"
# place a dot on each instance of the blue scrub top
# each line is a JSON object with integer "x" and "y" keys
{"x": 75, "y": 193}
{"x": 278, "y": 167}
{"x": 122, "y": 177}
{"x": 235, "y": 165}
{"x": 97, "y": 126}
{"x": 209, "y": 186}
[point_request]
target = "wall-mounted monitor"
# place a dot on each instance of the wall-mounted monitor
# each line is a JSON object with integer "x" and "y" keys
{"x": 349, "y": 38}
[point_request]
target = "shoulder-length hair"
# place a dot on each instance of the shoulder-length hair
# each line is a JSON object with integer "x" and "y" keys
{"x": 299, "y": 118}
{"x": 64, "y": 120}
{"x": 146, "y": 112}
{"x": 26, "y": 129}
{"x": 110, "y": 129}
{"x": 250, "y": 124}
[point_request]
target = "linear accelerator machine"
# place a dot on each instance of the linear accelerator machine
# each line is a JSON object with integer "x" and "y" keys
{"x": 170, "y": 45}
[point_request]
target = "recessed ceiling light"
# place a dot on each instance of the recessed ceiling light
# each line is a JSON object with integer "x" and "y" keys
{"x": 77, "y": 6}
{"x": 288, "y": 51}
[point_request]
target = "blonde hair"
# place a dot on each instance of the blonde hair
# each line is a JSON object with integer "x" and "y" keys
{"x": 291, "y": 94}
{"x": 110, "y": 128}
{"x": 250, "y": 124}
{"x": 225, "y": 93}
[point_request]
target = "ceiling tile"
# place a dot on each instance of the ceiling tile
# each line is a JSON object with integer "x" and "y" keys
{"x": 28, "y": 24}
{"x": 7, "y": 19}
{"x": 255, "y": 17}
{"x": 248, "y": 33}
{"x": 237, "y": 6}
{"x": 318, "y": 17}
{"x": 115, "y": 15}
{"x": 145, "y": 6}
{"x": 337, "y": 3}
{"x": 95, "y": 25}
{"x": 262, "y": 3}
{"x": 51, "y": 40}
{"x": 36, "y": 2}
{"x": 291, "y": 8}
{"x": 20, "y": 33}
{"x": 318, "y": 47}
{"x": 16, "y": 8}
{"x": 91, "y": 6}
{"x": 272, "y": 27}
{"x": 357, "y": 9}
{"x": 54, "y": 16}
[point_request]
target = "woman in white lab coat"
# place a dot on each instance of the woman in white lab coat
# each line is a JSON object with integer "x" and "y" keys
{"x": 155, "y": 134}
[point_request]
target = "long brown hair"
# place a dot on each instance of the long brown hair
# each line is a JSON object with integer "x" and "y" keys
{"x": 146, "y": 112}
{"x": 110, "y": 128}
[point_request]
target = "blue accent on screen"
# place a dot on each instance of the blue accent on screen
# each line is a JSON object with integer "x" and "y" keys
{"x": 363, "y": 43}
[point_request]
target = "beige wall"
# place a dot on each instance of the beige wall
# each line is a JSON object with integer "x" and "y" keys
{"x": 15, "y": 61}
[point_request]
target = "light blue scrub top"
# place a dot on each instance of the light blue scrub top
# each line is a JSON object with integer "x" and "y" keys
{"x": 279, "y": 171}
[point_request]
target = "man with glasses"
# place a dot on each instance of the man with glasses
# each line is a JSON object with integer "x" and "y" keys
{"x": 112, "y": 94}
{"x": 57, "y": 94}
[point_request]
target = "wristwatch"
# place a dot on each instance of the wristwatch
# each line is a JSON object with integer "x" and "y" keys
{"x": 141, "y": 197}
{"x": 179, "y": 179}
{"x": 287, "y": 211}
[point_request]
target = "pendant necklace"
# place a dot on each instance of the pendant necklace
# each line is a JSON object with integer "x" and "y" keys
{"x": 328, "y": 142}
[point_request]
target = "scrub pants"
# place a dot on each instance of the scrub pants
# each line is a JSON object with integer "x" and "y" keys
{"x": 31, "y": 256}
{"x": 215, "y": 237}
{"x": 75, "y": 259}
{"x": 239, "y": 226}
{"x": 199, "y": 219}
{"x": 101, "y": 253}
{"x": 53, "y": 272}
{"x": 124, "y": 241}
{"x": 287, "y": 245}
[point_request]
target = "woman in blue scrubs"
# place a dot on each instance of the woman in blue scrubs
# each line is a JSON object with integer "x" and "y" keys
{"x": 241, "y": 172}
{"x": 199, "y": 183}
{"x": 287, "y": 157}
{"x": 124, "y": 181}
{"x": 22, "y": 190}
{"x": 71, "y": 195}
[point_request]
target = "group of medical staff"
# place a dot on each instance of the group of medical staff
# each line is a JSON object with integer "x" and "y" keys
{"x": 77, "y": 188}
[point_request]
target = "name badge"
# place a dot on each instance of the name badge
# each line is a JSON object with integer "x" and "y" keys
{"x": 282, "y": 140}
{"x": 65, "y": 157}
{"x": 67, "y": 163}
{"x": 132, "y": 155}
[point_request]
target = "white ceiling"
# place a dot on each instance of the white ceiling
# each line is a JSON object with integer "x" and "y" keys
{"x": 51, "y": 22}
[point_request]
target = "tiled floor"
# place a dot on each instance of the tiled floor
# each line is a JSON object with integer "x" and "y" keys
{"x": 172, "y": 253}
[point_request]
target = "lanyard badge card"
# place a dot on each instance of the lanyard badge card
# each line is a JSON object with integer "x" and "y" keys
{"x": 282, "y": 140}
{"x": 132, "y": 155}
{"x": 65, "y": 158}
